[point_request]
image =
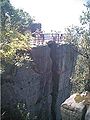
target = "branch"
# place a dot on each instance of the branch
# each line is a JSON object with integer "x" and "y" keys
{"x": 83, "y": 54}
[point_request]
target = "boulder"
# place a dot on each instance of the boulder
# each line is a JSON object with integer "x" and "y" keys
{"x": 72, "y": 110}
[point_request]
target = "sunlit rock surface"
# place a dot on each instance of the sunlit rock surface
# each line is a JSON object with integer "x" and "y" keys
{"x": 71, "y": 110}
{"x": 77, "y": 106}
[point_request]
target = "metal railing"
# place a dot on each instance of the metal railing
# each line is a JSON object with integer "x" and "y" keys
{"x": 41, "y": 39}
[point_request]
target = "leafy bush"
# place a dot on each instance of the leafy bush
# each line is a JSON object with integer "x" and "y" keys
{"x": 11, "y": 42}
{"x": 19, "y": 112}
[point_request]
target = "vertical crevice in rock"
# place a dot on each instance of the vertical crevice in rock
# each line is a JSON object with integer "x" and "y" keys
{"x": 63, "y": 62}
{"x": 55, "y": 78}
{"x": 84, "y": 112}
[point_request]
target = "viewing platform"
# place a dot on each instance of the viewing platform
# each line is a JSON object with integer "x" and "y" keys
{"x": 43, "y": 39}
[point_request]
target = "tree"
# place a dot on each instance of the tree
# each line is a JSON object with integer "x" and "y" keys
{"x": 80, "y": 36}
{"x": 13, "y": 39}
{"x": 85, "y": 20}
{"x": 19, "y": 20}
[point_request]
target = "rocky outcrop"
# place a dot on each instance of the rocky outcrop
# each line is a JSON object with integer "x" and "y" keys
{"x": 43, "y": 83}
{"x": 77, "y": 106}
{"x": 31, "y": 84}
{"x": 63, "y": 62}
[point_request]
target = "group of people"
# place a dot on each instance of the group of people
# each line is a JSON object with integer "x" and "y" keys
{"x": 40, "y": 36}
{"x": 57, "y": 37}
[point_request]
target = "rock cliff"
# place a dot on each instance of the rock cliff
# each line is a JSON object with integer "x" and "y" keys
{"x": 43, "y": 83}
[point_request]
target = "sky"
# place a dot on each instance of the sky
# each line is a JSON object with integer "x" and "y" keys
{"x": 52, "y": 14}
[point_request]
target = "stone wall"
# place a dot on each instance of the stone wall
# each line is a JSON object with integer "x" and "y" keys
{"x": 42, "y": 84}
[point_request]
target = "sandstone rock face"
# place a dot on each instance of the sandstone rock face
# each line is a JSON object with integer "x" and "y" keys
{"x": 77, "y": 106}
{"x": 42, "y": 84}
{"x": 63, "y": 62}
{"x": 31, "y": 84}
{"x": 71, "y": 110}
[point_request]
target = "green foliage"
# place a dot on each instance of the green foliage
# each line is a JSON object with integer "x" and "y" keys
{"x": 19, "y": 112}
{"x": 85, "y": 17}
{"x": 80, "y": 36}
{"x": 14, "y": 23}
{"x": 18, "y": 19}
{"x": 25, "y": 115}
{"x": 73, "y": 34}
{"x": 13, "y": 41}
{"x": 85, "y": 98}
{"x": 80, "y": 75}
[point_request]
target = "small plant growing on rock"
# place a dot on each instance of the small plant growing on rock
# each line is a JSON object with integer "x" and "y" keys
{"x": 85, "y": 98}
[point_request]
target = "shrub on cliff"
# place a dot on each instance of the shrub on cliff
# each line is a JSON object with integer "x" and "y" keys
{"x": 13, "y": 25}
{"x": 80, "y": 36}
